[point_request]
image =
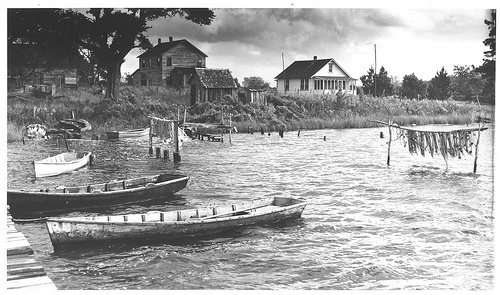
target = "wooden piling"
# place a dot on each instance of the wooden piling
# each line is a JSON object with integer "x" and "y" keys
{"x": 389, "y": 145}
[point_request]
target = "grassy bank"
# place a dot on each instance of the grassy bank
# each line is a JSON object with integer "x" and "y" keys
{"x": 288, "y": 112}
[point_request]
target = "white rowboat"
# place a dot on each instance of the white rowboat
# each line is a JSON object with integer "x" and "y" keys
{"x": 61, "y": 163}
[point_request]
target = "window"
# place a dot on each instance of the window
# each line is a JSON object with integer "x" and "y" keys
{"x": 304, "y": 84}
{"x": 158, "y": 61}
{"x": 318, "y": 84}
{"x": 330, "y": 67}
{"x": 169, "y": 61}
{"x": 149, "y": 62}
{"x": 343, "y": 85}
{"x": 336, "y": 84}
{"x": 144, "y": 82}
{"x": 287, "y": 85}
{"x": 199, "y": 63}
{"x": 143, "y": 62}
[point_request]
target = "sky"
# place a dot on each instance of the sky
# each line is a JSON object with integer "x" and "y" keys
{"x": 252, "y": 41}
{"x": 260, "y": 38}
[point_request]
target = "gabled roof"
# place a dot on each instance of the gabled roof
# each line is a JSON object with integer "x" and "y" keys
{"x": 214, "y": 78}
{"x": 166, "y": 46}
{"x": 305, "y": 69}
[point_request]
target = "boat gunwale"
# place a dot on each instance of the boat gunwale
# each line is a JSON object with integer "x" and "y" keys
{"x": 76, "y": 220}
{"x": 85, "y": 156}
{"x": 101, "y": 193}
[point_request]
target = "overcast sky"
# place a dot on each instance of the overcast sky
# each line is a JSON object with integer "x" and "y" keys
{"x": 419, "y": 38}
{"x": 251, "y": 41}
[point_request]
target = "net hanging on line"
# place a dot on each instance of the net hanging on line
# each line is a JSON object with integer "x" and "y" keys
{"x": 454, "y": 144}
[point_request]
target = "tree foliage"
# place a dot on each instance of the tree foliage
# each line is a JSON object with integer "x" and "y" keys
{"x": 467, "y": 82}
{"x": 439, "y": 86}
{"x": 412, "y": 87}
{"x": 384, "y": 83}
{"x": 255, "y": 83}
{"x": 487, "y": 69}
{"x": 368, "y": 81}
{"x": 108, "y": 34}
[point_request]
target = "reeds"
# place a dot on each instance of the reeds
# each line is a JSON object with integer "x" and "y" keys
{"x": 288, "y": 112}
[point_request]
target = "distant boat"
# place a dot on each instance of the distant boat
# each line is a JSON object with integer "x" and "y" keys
{"x": 132, "y": 133}
{"x": 155, "y": 225}
{"x": 77, "y": 125}
{"x": 44, "y": 202}
{"x": 61, "y": 163}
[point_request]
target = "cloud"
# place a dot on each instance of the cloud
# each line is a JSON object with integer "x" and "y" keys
{"x": 250, "y": 42}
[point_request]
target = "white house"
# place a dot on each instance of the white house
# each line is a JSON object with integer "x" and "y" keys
{"x": 316, "y": 76}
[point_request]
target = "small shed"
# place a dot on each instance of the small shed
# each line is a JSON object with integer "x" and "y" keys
{"x": 255, "y": 96}
{"x": 211, "y": 84}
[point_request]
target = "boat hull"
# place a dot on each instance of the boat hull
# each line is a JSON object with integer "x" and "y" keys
{"x": 60, "y": 164}
{"x": 65, "y": 232}
{"x": 33, "y": 204}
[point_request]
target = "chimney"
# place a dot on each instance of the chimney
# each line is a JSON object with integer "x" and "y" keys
{"x": 170, "y": 39}
{"x": 315, "y": 57}
{"x": 159, "y": 40}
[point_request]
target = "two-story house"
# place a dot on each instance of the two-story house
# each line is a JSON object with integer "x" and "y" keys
{"x": 156, "y": 64}
{"x": 316, "y": 76}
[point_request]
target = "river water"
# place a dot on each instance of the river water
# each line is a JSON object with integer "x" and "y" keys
{"x": 367, "y": 226}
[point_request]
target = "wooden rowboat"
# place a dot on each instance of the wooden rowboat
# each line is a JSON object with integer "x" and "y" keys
{"x": 46, "y": 202}
{"x": 133, "y": 133}
{"x": 61, "y": 163}
{"x": 155, "y": 225}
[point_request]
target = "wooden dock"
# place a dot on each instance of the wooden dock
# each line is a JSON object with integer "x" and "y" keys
{"x": 23, "y": 271}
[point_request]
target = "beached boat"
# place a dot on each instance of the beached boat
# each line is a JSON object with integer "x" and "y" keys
{"x": 76, "y": 125}
{"x": 133, "y": 133}
{"x": 61, "y": 163}
{"x": 156, "y": 225}
{"x": 46, "y": 202}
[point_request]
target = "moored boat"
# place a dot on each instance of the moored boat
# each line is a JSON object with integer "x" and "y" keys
{"x": 156, "y": 225}
{"x": 61, "y": 163}
{"x": 132, "y": 133}
{"x": 46, "y": 202}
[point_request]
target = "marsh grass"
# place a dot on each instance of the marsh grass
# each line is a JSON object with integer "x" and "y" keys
{"x": 288, "y": 112}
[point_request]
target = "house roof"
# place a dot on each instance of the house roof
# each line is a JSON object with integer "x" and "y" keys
{"x": 214, "y": 78}
{"x": 306, "y": 68}
{"x": 166, "y": 46}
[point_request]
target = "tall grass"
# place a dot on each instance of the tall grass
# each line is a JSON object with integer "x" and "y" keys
{"x": 289, "y": 112}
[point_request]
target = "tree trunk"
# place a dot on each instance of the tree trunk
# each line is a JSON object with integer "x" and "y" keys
{"x": 113, "y": 80}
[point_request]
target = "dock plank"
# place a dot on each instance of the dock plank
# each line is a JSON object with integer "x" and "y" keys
{"x": 23, "y": 271}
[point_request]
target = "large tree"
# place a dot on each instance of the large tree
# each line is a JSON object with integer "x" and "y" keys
{"x": 368, "y": 81}
{"x": 412, "y": 87}
{"x": 467, "y": 82}
{"x": 255, "y": 83}
{"x": 384, "y": 84}
{"x": 110, "y": 34}
{"x": 439, "y": 86}
{"x": 39, "y": 39}
{"x": 487, "y": 69}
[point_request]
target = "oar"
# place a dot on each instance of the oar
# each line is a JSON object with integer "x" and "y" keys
{"x": 232, "y": 212}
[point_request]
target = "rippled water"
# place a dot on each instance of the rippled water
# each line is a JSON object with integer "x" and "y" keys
{"x": 408, "y": 226}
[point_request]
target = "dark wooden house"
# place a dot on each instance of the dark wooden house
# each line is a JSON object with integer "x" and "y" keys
{"x": 211, "y": 84}
{"x": 156, "y": 64}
